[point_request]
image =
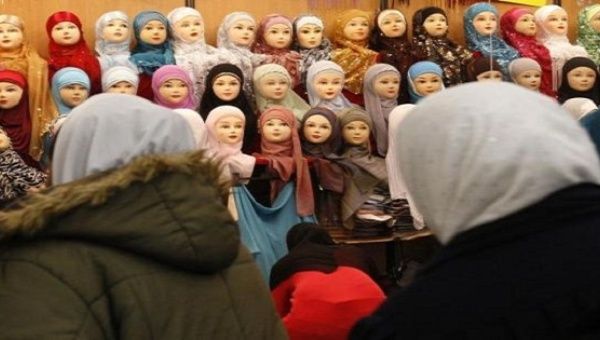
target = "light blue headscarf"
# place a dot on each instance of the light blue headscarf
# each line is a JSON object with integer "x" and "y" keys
{"x": 67, "y": 76}
{"x": 488, "y": 45}
{"x": 418, "y": 69}
{"x": 147, "y": 57}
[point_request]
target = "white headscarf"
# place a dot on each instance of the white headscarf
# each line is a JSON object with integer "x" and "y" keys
{"x": 113, "y": 54}
{"x": 117, "y": 74}
{"x": 291, "y": 100}
{"x": 469, "y": 158}
{"x": 196, "y": 123}
{"x": 109, "y": 130}
{"x": 578, "y": 107}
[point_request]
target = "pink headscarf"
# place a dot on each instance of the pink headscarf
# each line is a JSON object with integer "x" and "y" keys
{"x": 169, "y": 72}
{"x": 285, "y": 158}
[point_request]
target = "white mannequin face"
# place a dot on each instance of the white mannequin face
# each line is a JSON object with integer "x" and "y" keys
{"x": 428, "y": 83}
{"x": 393, "y": 25}
{"x": 10, "y": 95}
{"x": 242, "y": 33}
{"x": 436, "y": 25}
{"x": 485, "y": 23}
{"x": 226, "y": 87}
{"x": 65, "y": 33}
{"x": 173, "y": 91}
{"x": 116, "y": 31}
{"x": 530, "y": 79}
{"x": 230, "y": 130}
{"x": 317, "y": 129}
{"x": 278, "y": 36}
{"x": 276, "y": 131}
{"x": 73, "y": 94}
{"x": 123, "y": 87}
{"x": 356, "y": 133}
{"x": 526, "y": 25}
{"x": 387, "y": 85}
{"x": 557, "y": 22}
{"x": 581, "y": 78}
{"x": 190, "y": 28}
{"x": 595, "y": 22}
{"x": 153, "y": 33}
{"x": 328, "y": 85}
{"x": 310, "y": 36}
{"x": 11, "y": 37}
{"x": 490, "y": 75}
{"x": 273, "y": 86}
{"x": 357, "y": 29}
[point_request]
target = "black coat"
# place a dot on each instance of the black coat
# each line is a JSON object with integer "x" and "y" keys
{"x": 532, "y": 275}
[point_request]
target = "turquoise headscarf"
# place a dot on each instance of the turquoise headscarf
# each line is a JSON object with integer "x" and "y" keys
{"x": 147, "y": 57}
{"x": 494, "y": 45}
{"x": 67, "y": 76}
{"x": 589, "y": 38}
{"x": 418, "y": 69}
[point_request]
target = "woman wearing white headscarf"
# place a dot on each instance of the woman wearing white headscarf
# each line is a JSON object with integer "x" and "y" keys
{"x": 510, "y": 188}
{"x": 133, "y": 236}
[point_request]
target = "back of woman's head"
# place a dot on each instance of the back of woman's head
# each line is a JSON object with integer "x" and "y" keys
{"x": 109, "y": 130}
{"x": 481, "y": 151}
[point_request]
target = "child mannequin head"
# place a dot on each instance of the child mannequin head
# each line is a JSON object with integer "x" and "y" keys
{"x": 227, "y": 86}
{"x": 391, "y": 23}
{"x": 485, "y": 23}
{"x": 356, "y": 127}
{"x": 526, "y": 24}
{"x": 225, "y": 125}
{"x": 386, "y": 85}
{"x": 187, "y": 25}
{"x": 321, "y": 133}
{"x": 172, "y": 88}
{"x": 151, "y": 28}
{"x": 424, "y": 78}
{"x": 12, "y": 87}
{"x": 353, "y": 25}
{"x": 526, "y": 72}
{"x": 275, "y": 32}
{"x": 481, "y": 69}
{"x": 316, "y": 129}
{"x": 120, "y": 79}
{"x": 433, "y": 20}
{"x": 309, "y": 31}
{"x": 64, "y": 28}
{"x": 592, "y": 17}
{"x": 70, "y": 88}
{"x": 272, "y": 81}
{"x": 11, "y": 33}
{"x": 237, "y": 29}
{"x": 581, "y": 76}
{"x": 552, "y": 21}
{"x": 113, "y": 27}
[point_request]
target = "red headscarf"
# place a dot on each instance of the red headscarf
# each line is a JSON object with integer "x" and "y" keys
{"x": 285, "y": 158}
{"x": 528, "y": 47}
{"x": 16, "y": 121}
{"x": 77, "y": 55}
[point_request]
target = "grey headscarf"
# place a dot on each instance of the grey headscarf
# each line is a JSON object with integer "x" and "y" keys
{"x": 469, "y": 158}
{"x": 109, "y": 130}
{"x": 336, "y": 104}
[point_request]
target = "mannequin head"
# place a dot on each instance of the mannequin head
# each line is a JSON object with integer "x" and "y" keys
{"x": 12, "y": 87}
{"x": 424, "y": 78}
{"x": 492, "y": 75}
{"x": 230, "y": 129}
{"x": 153, "y": 32}
{"x": 172, "y": 88}
{"x": 356, "y": 127}
{"x": 581, "y": 78}
{"x": 485, "y": 23}
{"x": 480, "y": 69}
{"x": 428, "y": 83}
{"x": 353, "y": 25}
{"x": 186, "y": 24}
{"x": 526, "y": 25}
{"x": 242, "y": 32}
{"x": 227, "y": 86}
{"x": 317, "y": 129}
{"x": 595, "y": 22}
{"x": 65, "y": 33}
{"x": 272, "y": 81}
{"x": 225, "y": 126}
{"x": 70, "y": 88}
{"x": 387, "y": 85}
{"x": 116, "y": 31}
{"x": 309, "y": 31}
{"x": 276, "y": 130}
{"x": 120, "y": 79}
{"x": 392, "y": 23}
{"x": 73, "y": 94}
{"x": 11, "y": 37}
{"x": 436, "y": 25}
{"x": 276, "y": 31}
{"x": 557, "y": 22}
{"x": 328, "y": 84}
{"x": 526, "y": 72}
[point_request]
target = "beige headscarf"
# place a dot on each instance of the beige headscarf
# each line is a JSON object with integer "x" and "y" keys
{"x": 480, "y": 159}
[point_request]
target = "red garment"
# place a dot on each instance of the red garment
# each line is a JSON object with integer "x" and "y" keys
{"x": 314, "y": 305}
{"x": 528, "y": 47}
{"x": 16, "y": 122}
{"x": 285, "y": 158}
{"x": 77, "y": 55}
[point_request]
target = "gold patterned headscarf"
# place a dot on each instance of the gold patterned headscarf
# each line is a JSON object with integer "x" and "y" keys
{"x": 353, "y": 56}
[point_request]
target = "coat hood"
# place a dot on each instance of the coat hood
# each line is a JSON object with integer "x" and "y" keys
{"x": 165, "y": 208}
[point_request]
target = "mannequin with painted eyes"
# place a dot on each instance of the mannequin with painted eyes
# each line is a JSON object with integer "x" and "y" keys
{"x": 113, "y": 37}
{"x": 67, "y": 47}
{"x": 519, "y": 30}
{"x": 430, "y": 42}
{"x": 324, "y": 84}
{"x": 17, "y": 54}
{"x": 351, "y": 50}
{"x": 589, "y": 31}
{"x": 424, "y": 78}
{"x": 173, "y": 88}
{"x": 480, "y": 69}
{"x": 272, "y": 84}
{"x": 274, "y": 39}
{"x": 481, "y": 33}
{"x": 390, "y": 39}
{"x": 381, "y": 88}
{"x": 152, "y": 50}
{"x": 120, "y": 79}
{"x": 311, "y": 43}
{"x": 553, "y": 23}
{"x": 320, "y": 136}
{"x": 580, "y": 79}
{"x": 526, "y": 72}
{"x": 366, "y": 180}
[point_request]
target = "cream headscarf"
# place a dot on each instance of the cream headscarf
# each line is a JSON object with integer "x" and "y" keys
{"x": 291, "y": 100}
{"x": 469, "y": 158}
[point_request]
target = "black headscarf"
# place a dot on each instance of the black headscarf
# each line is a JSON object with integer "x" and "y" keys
{"x": 481, "y": 65}
{"x": 567, "y": 92}
{"x": 210, "y": 101}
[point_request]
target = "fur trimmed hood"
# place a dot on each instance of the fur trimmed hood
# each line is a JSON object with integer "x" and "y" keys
{"x": 165, "y": 207}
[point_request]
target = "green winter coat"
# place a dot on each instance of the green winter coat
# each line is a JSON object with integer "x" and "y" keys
{"x": 147, "y": 251}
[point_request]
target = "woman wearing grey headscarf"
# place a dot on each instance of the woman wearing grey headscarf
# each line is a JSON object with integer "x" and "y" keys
{"x": 133, "y": 236}
{"x": 510, "y": 188}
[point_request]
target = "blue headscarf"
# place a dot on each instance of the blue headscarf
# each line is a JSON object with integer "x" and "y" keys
{"x": 147, "y": 57}
{"x": 67, "y": 76}
{"x": 418, "y": 69}
{"x": 486, "y": 45}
